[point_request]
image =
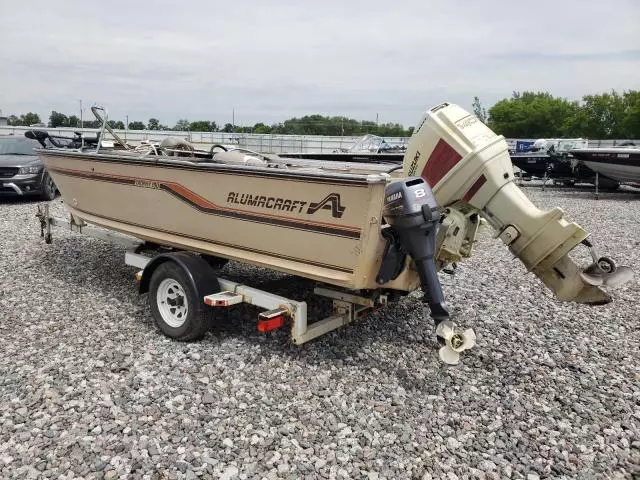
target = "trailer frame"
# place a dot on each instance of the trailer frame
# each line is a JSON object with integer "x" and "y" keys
{"x": 347, "y": 306}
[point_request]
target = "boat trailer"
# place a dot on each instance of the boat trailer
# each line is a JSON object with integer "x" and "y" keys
{"x": 347, "y": 306}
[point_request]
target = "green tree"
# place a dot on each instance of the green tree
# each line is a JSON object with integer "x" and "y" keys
{"x": 228, "y": 128}
{"x": 74, "y": 121}
{"x": 182, "y": 125}
{"x": 203, "y": 126}
{"x": 630, "y": 124}
{"x": 603, "y": 115}
{"x": 531, "y": 115}
{"x": 30, "y": 118}
{"x": 14, "y": 121}
{"x": 116, "y": 124}
{"x": 478, "y": 110}
{"x": 153, "y": 124}
{"x": 337, "y": 125}
{"x": 261, "y": 128}
{"x": 57, "y": 119}
{"x": 136, "y": 125}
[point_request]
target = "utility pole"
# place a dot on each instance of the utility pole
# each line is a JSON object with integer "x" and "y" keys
{"x": 233, "y": 119}
{"x": 81, "y": 122}
{"x": 376, "y": 118}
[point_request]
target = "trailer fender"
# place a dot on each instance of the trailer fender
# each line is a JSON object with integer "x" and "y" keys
{"x": 199, "y": 272}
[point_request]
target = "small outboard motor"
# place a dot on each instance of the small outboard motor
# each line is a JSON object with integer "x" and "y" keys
{"x": 411, "y": 209}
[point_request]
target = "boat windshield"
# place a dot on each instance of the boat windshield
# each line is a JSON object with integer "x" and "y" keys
{"x": 368, "y": 143}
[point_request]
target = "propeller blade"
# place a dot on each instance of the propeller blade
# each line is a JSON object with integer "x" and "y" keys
{"x": 589, "y": 279}
{"x": 445, "y": 329}
{"x": 449, "y": 356}
{"x": 469, "y": 337}
{"x": 620, "y": 276}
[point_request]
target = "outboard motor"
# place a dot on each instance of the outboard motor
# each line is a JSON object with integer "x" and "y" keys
{"x": 411, "y": 209}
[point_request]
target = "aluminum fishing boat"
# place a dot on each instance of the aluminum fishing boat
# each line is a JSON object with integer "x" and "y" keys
{"x": 371, "y": 230}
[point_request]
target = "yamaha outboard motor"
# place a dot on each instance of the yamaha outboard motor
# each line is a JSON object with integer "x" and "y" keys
{"x": 410, "y": 208}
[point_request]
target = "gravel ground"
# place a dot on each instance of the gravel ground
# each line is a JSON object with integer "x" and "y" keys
{"x": 91, "y": 389}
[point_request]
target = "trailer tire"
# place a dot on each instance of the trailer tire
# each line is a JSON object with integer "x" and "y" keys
{"x": 49, "y": 188}
{"x": 175, "y": 304}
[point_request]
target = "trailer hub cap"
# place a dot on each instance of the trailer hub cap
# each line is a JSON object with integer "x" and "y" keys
{"x": 172, "y": 303}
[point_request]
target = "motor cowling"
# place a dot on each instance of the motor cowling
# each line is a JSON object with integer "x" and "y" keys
{"x": 469, "y": 169}
{"x": 411, "y": 209}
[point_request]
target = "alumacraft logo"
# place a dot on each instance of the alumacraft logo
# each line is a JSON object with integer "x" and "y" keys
{"x": 331, "y": 202}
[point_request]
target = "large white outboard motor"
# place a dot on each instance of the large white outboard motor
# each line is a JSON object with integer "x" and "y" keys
{"x": 470, "y": 171}
{"x": 412, "y": 211}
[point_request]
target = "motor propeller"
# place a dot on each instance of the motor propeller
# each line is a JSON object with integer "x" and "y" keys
{"x": 604, "y": 271}
{"x": 455, "y": 341}
{"x": 598, "y": 277}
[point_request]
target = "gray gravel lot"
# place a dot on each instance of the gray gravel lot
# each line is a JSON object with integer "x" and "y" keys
{"x": 91, "y": 389}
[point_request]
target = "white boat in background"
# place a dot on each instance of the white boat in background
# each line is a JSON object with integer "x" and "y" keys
{"x": 620, "y": 163}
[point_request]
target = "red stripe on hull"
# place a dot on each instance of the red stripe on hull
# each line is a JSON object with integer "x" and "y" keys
{"x": 442, "y": 159}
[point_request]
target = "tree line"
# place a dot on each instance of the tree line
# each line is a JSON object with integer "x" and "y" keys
{"x": 307, "y": 125}
{"x": 541, "y": 115}
{"x": 523, "y": 115}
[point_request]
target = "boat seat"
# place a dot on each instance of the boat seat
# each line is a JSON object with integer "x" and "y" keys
{"x": 173, "y": 145}
{"x": 237, "y": 157}
{"x": 87, "y": 139}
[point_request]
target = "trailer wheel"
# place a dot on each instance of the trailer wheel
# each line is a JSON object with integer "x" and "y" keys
{"x": 215, "y": 262}
{"x": 48, "y": 188}
{"x": 174, "y": 304}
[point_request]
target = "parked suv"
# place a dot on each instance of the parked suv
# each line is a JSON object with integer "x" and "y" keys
{"x": 21, "y": 170}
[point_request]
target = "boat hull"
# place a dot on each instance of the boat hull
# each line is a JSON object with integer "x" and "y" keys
{"x": 539, "y": 165}
{"x": 323, "y": 227}
{"x": 621, "y": 164}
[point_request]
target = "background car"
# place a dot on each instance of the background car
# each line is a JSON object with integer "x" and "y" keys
{"x": 22, "y": 171}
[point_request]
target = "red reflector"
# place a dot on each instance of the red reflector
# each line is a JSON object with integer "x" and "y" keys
{"x": 268, "y": 324}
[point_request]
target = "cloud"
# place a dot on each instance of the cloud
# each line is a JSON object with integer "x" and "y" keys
{"x": 273, "y": 60}
{"x": 600, "y": 57}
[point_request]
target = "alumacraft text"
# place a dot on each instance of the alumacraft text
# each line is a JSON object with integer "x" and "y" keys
{"x": 331, "y": 203}
{"x": 275, "y": 203}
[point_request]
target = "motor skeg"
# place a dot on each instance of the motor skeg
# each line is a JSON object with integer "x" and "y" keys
{"x": 469, "y": 169}
{"x": 411, "y": 209}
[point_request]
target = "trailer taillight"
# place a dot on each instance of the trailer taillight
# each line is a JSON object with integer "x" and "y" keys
{"x": 272, "y": 319}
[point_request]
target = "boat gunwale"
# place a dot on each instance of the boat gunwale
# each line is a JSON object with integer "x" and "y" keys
{"x": 356, "y": 179}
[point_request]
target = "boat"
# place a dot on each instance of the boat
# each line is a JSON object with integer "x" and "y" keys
{"x": 552, "y": 159}
{"x": 546, "y": 158}
{"x": 377, "y": 231}
{"x": 367, "y": 149}
{"x": 621, "y": 163}
{"x": 543, "y": 165}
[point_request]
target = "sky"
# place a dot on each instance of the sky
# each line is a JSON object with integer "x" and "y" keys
{"x": 273, "y": 60}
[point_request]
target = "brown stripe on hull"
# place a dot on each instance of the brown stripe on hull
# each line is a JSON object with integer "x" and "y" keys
{"x": 202, "y": 204}
{"x": 222, "y": 244}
